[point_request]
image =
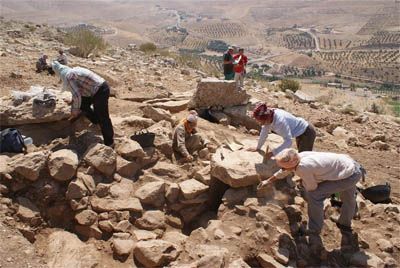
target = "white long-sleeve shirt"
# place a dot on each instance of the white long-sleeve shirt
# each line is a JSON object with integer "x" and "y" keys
{"x": 285, "y": 125}
{"x": 316, "y": 167}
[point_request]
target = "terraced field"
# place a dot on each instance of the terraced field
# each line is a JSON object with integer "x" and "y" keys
{"x": 194, "y": 43}
{"x": 381, "y": 65}
{"x": 298, "y": 41}
{"x": 218, "y": 30}
{"x": 386, "y": 18}
{"x": 333, "y": 44}
{"x": 385, "y": 38}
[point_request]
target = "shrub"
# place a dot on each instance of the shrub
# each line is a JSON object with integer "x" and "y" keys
{"x": 85, "y": 42}
{"x": 375, "y": 108}
{"x": 148, "y": 47}
{"x": 293, "y": 85}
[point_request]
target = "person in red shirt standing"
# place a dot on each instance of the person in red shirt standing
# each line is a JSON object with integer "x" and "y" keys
{"x": 240, "y": 61}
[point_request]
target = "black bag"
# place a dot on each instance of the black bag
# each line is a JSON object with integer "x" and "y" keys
{"x": 144, "y": 138}
{"x": 11, "y": 141}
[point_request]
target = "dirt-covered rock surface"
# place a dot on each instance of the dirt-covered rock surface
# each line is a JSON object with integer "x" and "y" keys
{"x": 73, "y": 202}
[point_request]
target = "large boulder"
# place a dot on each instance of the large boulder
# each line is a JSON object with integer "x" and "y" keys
{"x": 21, "y": 110}
{"x": 129, "y": 149}
{"x": 64, "y": 249}
{"x": 63, "y": 164}
{"x": 241, "y": 168}
{"x": 102, "y": 157}
{"x": 215, "y": 92}
{"x": 156, "y": 253}
{"x": 29, "y": 165}
{"x": 152, "y": 193}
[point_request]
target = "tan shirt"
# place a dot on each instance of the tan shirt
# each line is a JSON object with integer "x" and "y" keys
{"x": 179, "y": 141}
{"x": 316, "y": 167}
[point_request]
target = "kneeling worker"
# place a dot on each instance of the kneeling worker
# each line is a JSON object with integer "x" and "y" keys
{"x": 186, "y": 140}
{"x": 322, "y": 174}
{"x": 88, "y": 88}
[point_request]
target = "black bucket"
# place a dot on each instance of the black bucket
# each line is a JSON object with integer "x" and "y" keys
{"x": 377, "y": 194}
{"x": 144, "y": 138}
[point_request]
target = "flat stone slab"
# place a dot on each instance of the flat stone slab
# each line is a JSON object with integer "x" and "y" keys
{"x": 106, "y": 204}
{"x": 241, "y": 168}
{"x": 172, "y": 106}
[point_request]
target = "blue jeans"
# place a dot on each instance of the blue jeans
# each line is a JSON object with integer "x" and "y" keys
{"x": 347, "y": 190}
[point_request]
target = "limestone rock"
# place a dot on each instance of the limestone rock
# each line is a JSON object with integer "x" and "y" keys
{"x": 28, "y": 212}
{"x": 29, "y": 165}
{"x": 89, "y": 231}
{"x": 239, "y": 263}
{"x": 192, "y": 188}
{"x": 385, "y": 245}
{"x": 156, "y": 253}
{"x": 122, "y": 247}
{"x": 129, "y": 149}
{"x": 152, "y": 193}
{"x": 240, "y": 168}
{"x": 126, "y": 168}
{"x": 65, "y": 250}
{"x": 27, "y": 113}
{"x": 76, "y": 189}
{"x": 4, "y": 165}
{"x": 215, "y": 92}
{"x": 151, "y": 220}
{"x": 86, "y": 217}
{"x": 79, "y": 204}
{"x": 174, "y": 106}
{"x": 267, "y": 261}
{"x": 106, "y": 204}
{"x": 303, "y": 97}
{"x": 203, "y": 175}
{"x": 156, "y": 114}
{"x": 175, "y": 237}
{"x": 166, "y": 169}
{"x": 122, "y": 190}
{"x": 212, "y": 260}
{"x": 366, "y": 259}
{"x": 63, "y": 164}
{"x": 144, "y": 235}
{"x": 172, "y": 192}
{"x": 380, "y": 145}
{"x": 163, "y": 138}
{"x": 102, "y": 157}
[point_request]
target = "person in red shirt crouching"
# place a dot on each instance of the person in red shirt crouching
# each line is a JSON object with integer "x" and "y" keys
{"x": 240, "y": 61}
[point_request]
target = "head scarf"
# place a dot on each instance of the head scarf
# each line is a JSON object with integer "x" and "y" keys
{"x": 191, "y": 118}
{"x": 262, "y": 112}
{"x": 62, "y": 71}
{"x": 288, "y": 158}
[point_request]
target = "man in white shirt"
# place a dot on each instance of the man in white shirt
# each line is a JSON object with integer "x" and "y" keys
{"x": 322, "y": 174}
{"x": 285, "y": 125}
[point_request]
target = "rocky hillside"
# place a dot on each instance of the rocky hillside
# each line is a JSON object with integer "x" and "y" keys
{"x": 73, "y": 202}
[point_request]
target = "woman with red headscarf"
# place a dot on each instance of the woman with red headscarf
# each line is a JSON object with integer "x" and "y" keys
{"x": 285, "y": 125}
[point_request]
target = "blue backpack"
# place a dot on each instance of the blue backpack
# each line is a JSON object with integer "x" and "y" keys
{"x": 11, "y": 141}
